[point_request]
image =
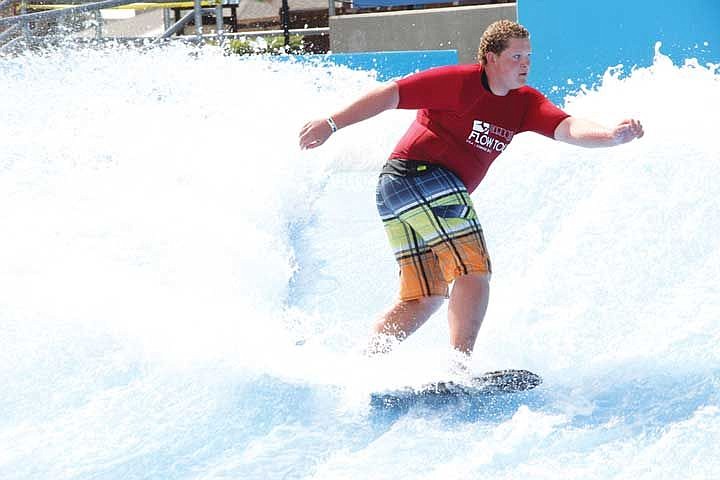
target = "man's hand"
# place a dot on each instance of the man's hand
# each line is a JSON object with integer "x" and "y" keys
{"x": 586, "y": 133}
{"x": 384, "y": 97}
{"x": 627, "y": 130}
{"x": 314, "y": 133}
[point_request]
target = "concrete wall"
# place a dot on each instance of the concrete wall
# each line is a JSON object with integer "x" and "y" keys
{"x": 458, "y": 28}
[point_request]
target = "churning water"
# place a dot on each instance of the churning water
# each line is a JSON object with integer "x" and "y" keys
{"x": 186, "y": 295}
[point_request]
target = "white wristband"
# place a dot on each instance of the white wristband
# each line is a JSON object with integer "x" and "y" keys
{"x": 332, "y": 124}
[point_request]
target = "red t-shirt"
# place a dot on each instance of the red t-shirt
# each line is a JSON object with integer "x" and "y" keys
{"x": 464, "y": 127}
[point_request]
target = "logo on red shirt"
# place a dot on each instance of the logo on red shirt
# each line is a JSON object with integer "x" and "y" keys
{"x": 488, "y": 137}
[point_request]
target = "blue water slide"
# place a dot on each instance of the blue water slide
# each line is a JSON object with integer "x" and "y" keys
{"x": 575, "y": 41}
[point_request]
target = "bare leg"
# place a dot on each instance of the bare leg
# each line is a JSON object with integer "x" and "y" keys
{"x": 468, "y": 304}
{"x": 402, "y": 320}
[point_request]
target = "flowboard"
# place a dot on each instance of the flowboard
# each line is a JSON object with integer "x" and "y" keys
{"x": 487, "y": 384}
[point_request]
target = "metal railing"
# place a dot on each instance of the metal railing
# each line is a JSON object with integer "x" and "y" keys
{"x": 21, "y": 22}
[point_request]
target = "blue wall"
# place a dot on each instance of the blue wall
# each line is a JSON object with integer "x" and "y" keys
{"x": 388, "y": 65}
{"x": 580, "y": 39}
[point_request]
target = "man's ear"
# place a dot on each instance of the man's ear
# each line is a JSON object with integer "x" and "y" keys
{"x": 490, "y": 58}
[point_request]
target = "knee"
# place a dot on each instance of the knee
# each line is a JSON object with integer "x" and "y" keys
{"x": 472, "y": 285}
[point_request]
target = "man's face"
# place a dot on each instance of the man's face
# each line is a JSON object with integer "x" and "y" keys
{"x": 512, "y": 65}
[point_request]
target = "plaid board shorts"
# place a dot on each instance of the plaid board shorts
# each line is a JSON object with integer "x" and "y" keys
{"x": 433, "y": 230}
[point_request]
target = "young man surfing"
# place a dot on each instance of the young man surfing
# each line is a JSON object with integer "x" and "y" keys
{"x": 467, "y": 115}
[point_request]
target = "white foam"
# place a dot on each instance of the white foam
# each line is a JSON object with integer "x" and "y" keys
{"x": 186, "y": 294}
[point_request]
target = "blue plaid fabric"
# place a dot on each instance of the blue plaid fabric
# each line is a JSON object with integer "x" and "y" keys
{"x": 432, "y": 228}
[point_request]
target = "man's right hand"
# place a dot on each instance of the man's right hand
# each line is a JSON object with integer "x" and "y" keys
{"x": 314, "y": 133}
{"x": 384, "y": 97}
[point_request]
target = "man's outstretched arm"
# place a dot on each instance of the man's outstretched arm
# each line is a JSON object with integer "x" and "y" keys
{"x": 585, "y": 133}
{"x": 386, "y": 97}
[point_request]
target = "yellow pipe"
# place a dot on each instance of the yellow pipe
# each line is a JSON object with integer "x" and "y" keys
{"x": 132, "y": 6}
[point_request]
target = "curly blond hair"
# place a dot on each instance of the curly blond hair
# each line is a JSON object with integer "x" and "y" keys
{"x": 496, "y": 37}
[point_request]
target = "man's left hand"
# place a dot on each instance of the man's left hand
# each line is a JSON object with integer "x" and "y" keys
{"x": 627, "y": 130}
